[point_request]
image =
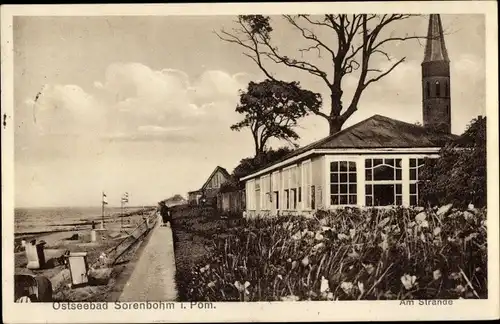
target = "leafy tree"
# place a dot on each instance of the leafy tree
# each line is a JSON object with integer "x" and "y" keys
{"x": 458, "y": 176}
{"x": 272, "y": 109}
{"x": 351, "y": 43}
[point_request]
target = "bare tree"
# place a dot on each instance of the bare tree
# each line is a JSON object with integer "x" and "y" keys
{"x": 358, "y": 39}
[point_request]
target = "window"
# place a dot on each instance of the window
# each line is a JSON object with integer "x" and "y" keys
{"x": 438, "y": 89}
{"x": 447, "y": 89}
{"x": 286, "y": 188}
{"x": 383, "y": 182}
{"x": 343, "y": 189}
{"x": 313, "y": 198}
{"x": 428, "y": 89}
{"x": 415, "y": 176}
{"x": 298, "y": 175}
{"x": 293, "y": 182}
{"x": 275, "y": 187}
{"x": 294, "y": 198}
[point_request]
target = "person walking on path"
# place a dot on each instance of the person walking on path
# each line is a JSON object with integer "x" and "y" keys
{"x": 165, "y": 213}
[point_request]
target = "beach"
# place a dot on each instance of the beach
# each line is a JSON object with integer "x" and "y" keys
{"x": 69, "y": 230}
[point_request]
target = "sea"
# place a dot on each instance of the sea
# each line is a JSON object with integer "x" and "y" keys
{"x": 49, "y": 219}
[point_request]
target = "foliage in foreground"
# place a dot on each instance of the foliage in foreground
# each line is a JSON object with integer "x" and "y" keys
{"x": 347, "y": 255}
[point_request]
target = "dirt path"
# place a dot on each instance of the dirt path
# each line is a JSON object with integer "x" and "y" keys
{"x": 154, "y": 274}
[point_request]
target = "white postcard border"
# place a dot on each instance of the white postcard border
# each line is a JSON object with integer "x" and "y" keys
{"x": 279, "y": 311}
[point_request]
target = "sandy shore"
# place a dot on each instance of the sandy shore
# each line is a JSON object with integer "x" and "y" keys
{"x": 77, "y": 239}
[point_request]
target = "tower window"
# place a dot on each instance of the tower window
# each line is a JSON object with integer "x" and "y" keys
{"x": 447, "y": 89}
{"x": 438, "y": 89}
{"x": 428, "y": 89}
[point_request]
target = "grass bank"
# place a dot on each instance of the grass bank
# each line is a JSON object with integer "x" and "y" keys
{"x": 194, "y": 229}
{"x": 343, "y": 255}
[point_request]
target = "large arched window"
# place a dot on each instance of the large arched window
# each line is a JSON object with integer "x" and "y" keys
{"x": 438, "y": 89}
{"x": 383, "y": 182}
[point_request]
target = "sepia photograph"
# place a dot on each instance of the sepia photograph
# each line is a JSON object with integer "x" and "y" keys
{"x": 165, "y": 162}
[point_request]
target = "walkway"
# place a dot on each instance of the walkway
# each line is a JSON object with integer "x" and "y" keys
{"x": 153, "y": 278}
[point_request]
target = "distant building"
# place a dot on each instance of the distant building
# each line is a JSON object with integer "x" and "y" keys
{"x": 175, "y": 200}
{"x": 373, "y": 163}
{"x": 207, "y": 194}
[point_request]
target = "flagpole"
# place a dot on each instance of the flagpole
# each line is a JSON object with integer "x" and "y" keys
{"x": 121, "y": 222}
{"x": 102, "y": 210}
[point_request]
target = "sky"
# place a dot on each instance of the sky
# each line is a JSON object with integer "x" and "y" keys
{"x": 144, "y": 104}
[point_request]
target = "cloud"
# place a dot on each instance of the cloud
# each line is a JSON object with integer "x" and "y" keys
{"x": 217, "y": 86}
{"x": 66, "y": 110}
{"x": 158, "y": 129}
{"x": 155, "y": 137}
{"x": 468, "y": 65}
{"x": 135, "y": 102}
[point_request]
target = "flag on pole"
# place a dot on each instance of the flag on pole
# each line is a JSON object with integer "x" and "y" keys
{"x": 104, "y": 199}
{"x": 125, "y": 198}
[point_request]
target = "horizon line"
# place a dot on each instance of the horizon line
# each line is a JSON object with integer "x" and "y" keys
{"x": 84, "y": 206}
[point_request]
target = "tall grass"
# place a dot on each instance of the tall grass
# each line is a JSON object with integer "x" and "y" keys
{"x": 348, "y": 254}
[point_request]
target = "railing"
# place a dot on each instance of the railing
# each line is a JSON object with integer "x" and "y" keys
{"x": 137, "y": 233}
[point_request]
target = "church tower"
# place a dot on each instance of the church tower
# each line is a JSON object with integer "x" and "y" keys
{"x": 436, "y": 79}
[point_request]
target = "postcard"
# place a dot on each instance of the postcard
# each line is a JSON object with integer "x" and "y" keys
{"x": 250, "y": 162}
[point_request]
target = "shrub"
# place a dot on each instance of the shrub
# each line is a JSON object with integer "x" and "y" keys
{"x": 459, "y": 175}
{"x": 346, "y": 255}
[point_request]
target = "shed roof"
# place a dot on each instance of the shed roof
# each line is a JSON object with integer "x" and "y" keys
{"x": 218, "y": 168}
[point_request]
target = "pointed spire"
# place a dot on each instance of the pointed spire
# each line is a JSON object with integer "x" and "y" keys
{"x": 435, "y": 49}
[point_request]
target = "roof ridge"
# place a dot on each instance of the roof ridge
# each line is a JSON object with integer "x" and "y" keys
{"x": 331, "y": 136}
{"x": 313, "y": 145}
{"x": 428, "y": 130}
{"x": 398, "y": 120}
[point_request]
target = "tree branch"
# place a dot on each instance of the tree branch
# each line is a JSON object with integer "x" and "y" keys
{"x": 385, "y": 73}
{"x": 301, "y": 65}
{"x": 255, "y": 49}
{"x": 310, "y": 36}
